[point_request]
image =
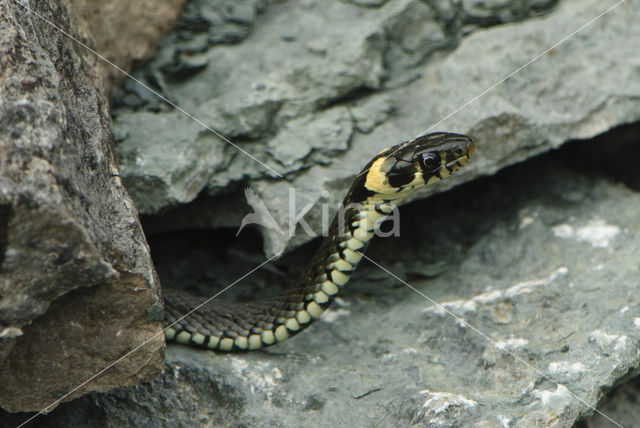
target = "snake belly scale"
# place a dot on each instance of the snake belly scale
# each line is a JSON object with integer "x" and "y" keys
{"x": 389, "y": 177}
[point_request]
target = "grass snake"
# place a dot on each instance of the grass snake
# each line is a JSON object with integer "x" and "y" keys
{"x": 389, "y": 177}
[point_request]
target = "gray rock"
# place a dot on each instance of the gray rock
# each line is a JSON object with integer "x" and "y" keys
{"x": 160, "y": 168}
{"x": 541, "y": 260}
{"x": 76, "y": 274}
{"x": 368, "y": 3}
{"x": 400, "y": 68}
{"x": 621, "y": 405}
{"x": 319, "y": 137}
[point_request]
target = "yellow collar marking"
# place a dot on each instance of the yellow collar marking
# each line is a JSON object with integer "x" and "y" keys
{"x": 377, "y": 180}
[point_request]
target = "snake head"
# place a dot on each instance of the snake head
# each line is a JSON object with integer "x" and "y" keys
{"x": 416, "y": 163}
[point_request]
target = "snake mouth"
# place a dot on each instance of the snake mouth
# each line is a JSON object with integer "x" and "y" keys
{"x": 458, "y": 163}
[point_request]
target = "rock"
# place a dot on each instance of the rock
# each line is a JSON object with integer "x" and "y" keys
{"x": 541, "y": 277}
{"x": 400, "y": 67}
{"x": 319, "y": 137}
{"x": 76, "y": 275}
{"x": 621, "y": 405}
{"x": 124, "y": 32}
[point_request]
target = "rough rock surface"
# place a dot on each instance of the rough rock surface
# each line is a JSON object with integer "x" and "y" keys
{"x": 621, "y": 405}
{"x": 124, "y": 32}
{"x": 314, "y": 89}
{"x": 541, "y": 258}
{"x": 76, "y": 276}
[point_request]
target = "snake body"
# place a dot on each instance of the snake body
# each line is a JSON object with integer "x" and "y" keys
{"x": 389, "y": 177}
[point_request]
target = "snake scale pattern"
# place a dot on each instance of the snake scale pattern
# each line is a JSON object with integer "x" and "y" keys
{"x": 389, "y": 177}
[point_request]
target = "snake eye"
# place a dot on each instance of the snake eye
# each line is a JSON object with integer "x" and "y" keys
{"x": 430, "y": 161}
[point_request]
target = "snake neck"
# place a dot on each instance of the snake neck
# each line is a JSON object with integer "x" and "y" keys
{"x": 339, "y": 254}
